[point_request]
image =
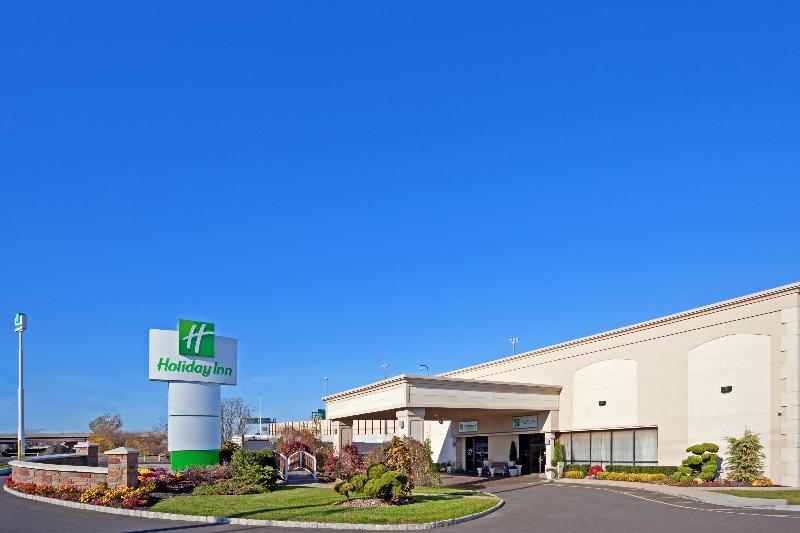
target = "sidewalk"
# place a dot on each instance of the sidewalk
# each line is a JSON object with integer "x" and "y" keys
{"x": 703, "y": 494}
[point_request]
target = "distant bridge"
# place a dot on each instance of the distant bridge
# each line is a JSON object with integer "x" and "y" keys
{"x": 8, "y": 438}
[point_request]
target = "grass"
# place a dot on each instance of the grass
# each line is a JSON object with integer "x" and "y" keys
{"x": 792, "y": 497}
{"x": 309, "y": 504}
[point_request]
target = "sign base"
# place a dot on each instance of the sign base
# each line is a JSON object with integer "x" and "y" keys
{"x": 183, "y": 459}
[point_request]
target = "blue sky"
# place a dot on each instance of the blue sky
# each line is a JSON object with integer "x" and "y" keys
{"x": 339, "y": 185}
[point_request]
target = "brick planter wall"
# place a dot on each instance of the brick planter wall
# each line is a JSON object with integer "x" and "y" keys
{"x": 79, "y": 469}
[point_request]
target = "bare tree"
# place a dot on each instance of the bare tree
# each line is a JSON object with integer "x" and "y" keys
{"x": 234, "y": 415}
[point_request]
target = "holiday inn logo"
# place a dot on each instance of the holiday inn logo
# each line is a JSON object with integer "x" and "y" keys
{"x": 195, "y": 338}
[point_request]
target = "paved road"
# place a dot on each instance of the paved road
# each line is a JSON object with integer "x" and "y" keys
{"x": 543, "y": 507}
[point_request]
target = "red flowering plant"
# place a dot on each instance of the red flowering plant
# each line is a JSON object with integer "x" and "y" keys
{"x": 594, "y": 470}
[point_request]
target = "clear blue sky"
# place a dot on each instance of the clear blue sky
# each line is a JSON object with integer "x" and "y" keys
{"x": 342, "y": 184}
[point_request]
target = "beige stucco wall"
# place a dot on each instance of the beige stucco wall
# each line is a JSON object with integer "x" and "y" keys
{"x": 660, "y": 350}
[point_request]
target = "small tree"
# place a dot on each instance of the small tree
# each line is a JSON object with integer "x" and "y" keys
{"x": 512, "y": 452}
{"x": 558, "y": 453}
{"x": 745, "y": 457}
{"x": 702, "y": 462}
{"x": 234, "y": 415}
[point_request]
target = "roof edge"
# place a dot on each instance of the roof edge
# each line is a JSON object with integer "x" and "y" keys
{"x": 734, "y": 302}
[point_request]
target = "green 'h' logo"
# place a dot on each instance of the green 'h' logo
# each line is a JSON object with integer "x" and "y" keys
{"x": 195, "y": 338}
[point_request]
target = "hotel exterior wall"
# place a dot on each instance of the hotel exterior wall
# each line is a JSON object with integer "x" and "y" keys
{"x": 661, "y": 351}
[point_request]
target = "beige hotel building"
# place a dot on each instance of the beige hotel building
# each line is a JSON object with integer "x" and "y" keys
{"x": 635, "y": 395}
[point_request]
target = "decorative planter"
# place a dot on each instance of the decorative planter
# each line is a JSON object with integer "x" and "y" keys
{"x": 513, "y": 471}
{"x": 560, "y": 468}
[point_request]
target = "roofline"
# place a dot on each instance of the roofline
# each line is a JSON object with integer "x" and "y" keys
{"x": 413, "y": 378}
{"x": 677, "y": 317}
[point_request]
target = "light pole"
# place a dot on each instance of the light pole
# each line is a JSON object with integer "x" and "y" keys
{"x": 20, "y": 324}
{"x": 421, "y": 366}
{"x": 385, "y": 370}
{"x": 326, "y": 385}
{"x": 514, "y": 341}
{"x": 260, "y": 414}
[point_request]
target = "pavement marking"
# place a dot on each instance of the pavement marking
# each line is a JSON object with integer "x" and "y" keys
{"x": 670, "y": 504}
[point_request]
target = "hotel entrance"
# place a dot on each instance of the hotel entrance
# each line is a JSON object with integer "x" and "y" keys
{"x": 477, "y": 451}
{"x": 532, "y": 453}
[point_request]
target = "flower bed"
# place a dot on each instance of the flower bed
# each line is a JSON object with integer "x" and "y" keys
{"x": 100, "y": 495}
{"x": 596, "y": 472}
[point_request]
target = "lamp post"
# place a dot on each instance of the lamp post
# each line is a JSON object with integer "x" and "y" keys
{"x": 421, "y": 366}
{"x": 514, "y": 341}
{"x": 20, "y": 325}
{"x": 385, "y": 370}
{"x": 326, "y": 385}
{"x": 260, "y": 414}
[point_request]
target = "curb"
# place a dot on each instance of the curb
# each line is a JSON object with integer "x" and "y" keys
{"x": 705, "y": 496}
{"x": 252, "y": 522}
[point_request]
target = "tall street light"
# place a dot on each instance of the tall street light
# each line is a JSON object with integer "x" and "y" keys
{"x": 20, "y": 325}
{"x": 326, "y": 385}
{"x": 385, "y": 370}
{"x": 514, "y": 341}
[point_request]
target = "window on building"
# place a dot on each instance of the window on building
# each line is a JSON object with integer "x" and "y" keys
{"x": 623, "y": 446}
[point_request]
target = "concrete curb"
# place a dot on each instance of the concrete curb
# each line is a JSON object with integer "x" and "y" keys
{"x": 253, "y": 522}
{"x": 702, "y": 495}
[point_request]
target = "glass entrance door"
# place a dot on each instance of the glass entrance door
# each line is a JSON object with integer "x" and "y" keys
{"x": 477, "y": 451}
{"x": 532, "y": 453}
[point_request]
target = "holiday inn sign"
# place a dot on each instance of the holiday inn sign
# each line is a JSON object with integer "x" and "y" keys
{"x": 192, "y": 353}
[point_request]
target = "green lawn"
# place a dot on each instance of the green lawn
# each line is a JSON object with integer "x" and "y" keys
{"x": 791, "y": 496}
{"x": 316, "y": 505}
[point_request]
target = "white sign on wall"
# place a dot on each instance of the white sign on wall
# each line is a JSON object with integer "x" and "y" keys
{"x": 468, "y": 427}
{"x": 525, "y": 422}
{"x": 166, "y": 364}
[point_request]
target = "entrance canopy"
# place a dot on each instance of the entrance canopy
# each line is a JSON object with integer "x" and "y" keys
{"x": 440, "y": 397}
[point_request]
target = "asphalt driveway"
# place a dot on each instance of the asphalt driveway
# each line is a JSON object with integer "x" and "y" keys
{"x": 544, "y": 507}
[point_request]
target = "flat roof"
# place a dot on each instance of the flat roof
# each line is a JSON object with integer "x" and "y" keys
{"x": 683, "y": 315}
{"x": 416, "y": 379}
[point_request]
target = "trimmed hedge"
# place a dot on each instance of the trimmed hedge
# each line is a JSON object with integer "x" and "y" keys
{"x": 642, "y": 469}
{"x": 626, "y": 469}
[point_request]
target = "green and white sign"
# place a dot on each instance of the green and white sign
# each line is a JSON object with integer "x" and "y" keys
{"x": 193, "y": 353}
{"x": 195, "y": 338}
{"x": 470, "y": 426}
{"x": 525, "y": 422}
{"x": 20, "y": 322}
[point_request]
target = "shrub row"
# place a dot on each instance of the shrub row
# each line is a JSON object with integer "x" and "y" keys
{"x": 642, "y": 469}
{"x": 574, "y": 474}
{"x": 623, "y": 476}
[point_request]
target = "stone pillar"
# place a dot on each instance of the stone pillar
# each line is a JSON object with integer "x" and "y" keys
{"x": 88, "y": 450}
{"x": 550, "y": 440}
{"x": 342, "y": 434}
{"x": 785, "y": 468}
{"x": 122, "y": 465}
{"x": 411, "y": 422}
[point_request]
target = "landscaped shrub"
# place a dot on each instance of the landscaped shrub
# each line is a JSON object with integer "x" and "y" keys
{"x": 574, "y": 474}
{"x": 408, "y": 456}
{"x": 512, "y": 452}
{"x": 594, "y": 470}
{"x": 558, "y": 453}
{"x": 229, "y": 487}
{"x": 642, "y": 469}
{"x": 375, "y": 471}
{"x": 205, "y": 475}
{"x": 638, "y": 477}
{"x": 248, "y": 468}
{"x": 226, "y": 452}
{"x": 702, "y": 463}
{"x": 745, "y": 458}
{"x": 358, "y": 481}
{"x": 577, "y": 468}
{"x": 341, "y": 466}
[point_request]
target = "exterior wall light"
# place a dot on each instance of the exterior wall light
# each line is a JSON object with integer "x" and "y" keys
{"x": 601, "y": 403}
{"x": 402, "y": 424}
{"x": 726, "y": 389}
